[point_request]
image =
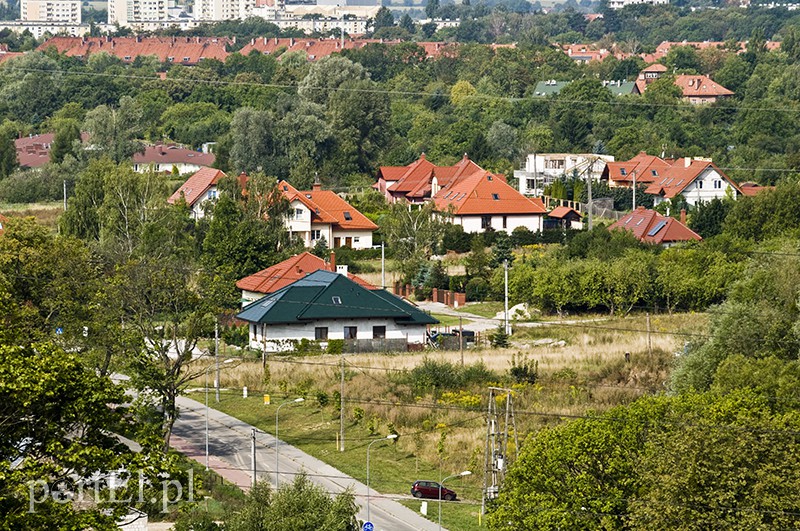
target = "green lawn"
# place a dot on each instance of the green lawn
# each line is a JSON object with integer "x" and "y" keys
{"x": 456, "y": 516}
{"x": 314, "y": 430}
{"x": 449, "y": 320}
{"x": 485, "y": 309}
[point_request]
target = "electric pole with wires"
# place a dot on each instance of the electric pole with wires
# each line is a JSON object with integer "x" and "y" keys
{"x": 497, "y": 451}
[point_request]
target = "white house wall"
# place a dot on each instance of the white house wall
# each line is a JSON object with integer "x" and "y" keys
{"x": 280, "y": 337}
{"x": 474, "y": 223}
{"x": 364, "y": 238}
{"x": 705, "y": 192}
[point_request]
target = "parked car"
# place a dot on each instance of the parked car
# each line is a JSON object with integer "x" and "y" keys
{"x": 430, "y": 489}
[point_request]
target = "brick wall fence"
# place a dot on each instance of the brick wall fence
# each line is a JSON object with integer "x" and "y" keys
{"x": 453, "y": 299}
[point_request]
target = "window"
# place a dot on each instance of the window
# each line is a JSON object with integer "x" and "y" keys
{"x": 347, "y": 216}
{"x": 185, "y": 59}
{"x": 486, "y": 222}
{"x": 212, "y": 194}
{"x": 700, "y": 184}
{"x": 379, "y": 332}
{"x": 356, "y": 239}
{"x": 623, "y": 171}
{"x": 315, "y": 235}
{"x": 336, "y": 300}
{"x": 350, "y": 332}
{"x": 654, "y": 172}
{"x": 298, "y": 213}
{"x": 170, "y": 59}
{"x": 717, "y": 184}
{"x": 496, "y": 197}
{"x": 321, "y": 333}
{"x": 505, "y": 222}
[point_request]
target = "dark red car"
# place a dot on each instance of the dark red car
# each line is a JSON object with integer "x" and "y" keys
{"x": 430, "y": 489}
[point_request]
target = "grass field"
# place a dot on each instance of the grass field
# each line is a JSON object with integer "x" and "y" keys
{"x": 45, "y": 213}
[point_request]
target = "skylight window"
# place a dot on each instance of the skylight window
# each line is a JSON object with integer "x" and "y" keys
{"x": 661, "y": 224}
{"x": 623, "y": 171}
{"x": 654, "y": 172}
{"x": 337, "y": 301}
{"x": 496, "y": 197}
{"x": 347, "y": 216}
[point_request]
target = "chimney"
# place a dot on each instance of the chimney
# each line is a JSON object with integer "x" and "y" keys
{"x": 316, "y": 187}
{"x": 683, "y": 216}
{"x": 299, "y": 271}
{"x": 332, "y": 263}
{"x": 341, "y": 269}
{"x": 687, "y": 161}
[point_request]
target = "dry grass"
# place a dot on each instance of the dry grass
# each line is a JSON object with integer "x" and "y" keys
{"x": 46, "y": 214}
{"x": 587, "y": 373}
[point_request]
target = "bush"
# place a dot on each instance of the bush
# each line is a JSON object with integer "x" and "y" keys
{"x": 522, "y": 370}
{"x": 335, "y": 346}
{"x": 236, "y": 335}
{"x": 499, "y": 339}
{"x": 457, "y": 283}
{"x": 477, "y": 289}
{"x": 455, "y": 239}
{"x": 522, "y": 236}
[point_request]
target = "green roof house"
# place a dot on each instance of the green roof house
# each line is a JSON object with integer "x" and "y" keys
{"x": 325, "y": 305}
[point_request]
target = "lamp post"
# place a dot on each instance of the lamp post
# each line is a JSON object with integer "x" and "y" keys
{"x": 208, "y": 369}
{"x": 441, "y": 483}
{"x": 277, "y": 441}
{"x": 389, "y": 438}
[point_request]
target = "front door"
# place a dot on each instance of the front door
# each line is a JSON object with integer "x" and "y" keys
{"x": 348, "y": 242}
{"x": 337, "y": 242}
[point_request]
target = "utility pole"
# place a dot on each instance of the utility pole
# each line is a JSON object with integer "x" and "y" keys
{"x": 216, "y": 356}
{"x": 461, "y": 339}
{"x": 649, "y": 344}
{"x": 341, "y": 410}
{"x": 634, "y": 190}
{"x": 383, "y": 266}
{"x": 505, "y": 304}
{"x": 253, "y": 454}
{"x": 495, "y": 456}
{"x": 589, "y": 198}
{"x": 65, "y": 195}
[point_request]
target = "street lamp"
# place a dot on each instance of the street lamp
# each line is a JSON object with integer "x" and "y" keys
{"x": 208, "y": 369}
{"x": 277, "y": 442}
{"x": 388, "y": 437}
{"x": 464, "y": 473}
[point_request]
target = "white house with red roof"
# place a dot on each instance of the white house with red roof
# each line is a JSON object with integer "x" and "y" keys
{"x": 282, "y": 274}
{"x": 651, "y": 227}
{"x": 33, "y": 151}
{"x": 318, "y": 213}
{"x": 198, "y": 189}
{"x": 541, "y": 169}
{"x": 420, "y": 180}
{"x": 483, "y": 201}
{"x": 697, "y": 180}
{"x": 170, "y": 158}
{"x": 642, "y": 168}
{"x": 696, "y": 89}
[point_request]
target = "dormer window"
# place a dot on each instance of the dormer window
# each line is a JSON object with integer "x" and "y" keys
{"x": 170, "y": 59}
{"x": 185, "y": 59}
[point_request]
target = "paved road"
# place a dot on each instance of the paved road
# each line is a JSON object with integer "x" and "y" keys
{"x": 230, "y": 456}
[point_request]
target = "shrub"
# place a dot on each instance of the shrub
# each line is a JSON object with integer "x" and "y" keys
{"x": 335, "y": 346}
{"x": 523, "y": 370}
{"x": 236, "y": 335}
{"x": 477, "y": 289}
{"x": 499, "y": 339}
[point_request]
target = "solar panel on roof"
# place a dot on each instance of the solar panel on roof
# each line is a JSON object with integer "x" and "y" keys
{"x": 660, "y": 225}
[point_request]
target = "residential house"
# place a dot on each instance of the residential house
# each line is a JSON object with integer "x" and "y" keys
{"x": 699, "y": 90}
{"x": 170, "y": 158}
{"x": 290, "y": 270}
{"x": 483, "y": 201}
{"x": 696, "y": 180}
{"x": 651, "y": 227}
{"x": 549, "y": 87}
{"x": 565, "y": 218}
{"x": 642, "y": 168}
{"x": 420, "y": 180}
{"x": 619, "y": 4}
{"x": 198, "y": 189}
{"x": 696, "y": 89}
{"x": 176, "y": 50}
{"x": 5, "y": 55}
{"x": 323, "y": 306}
{"x": 3, "y": 221}
{"x": 622, "y": 87}
{"x": 319, "y": 213}
{"x": 33, "y": 151}
{"x": 541, "y": 169}
{"x": 586, "y": 53}
{"x": 316, "y": 49}
{"x": 751, "y": 189}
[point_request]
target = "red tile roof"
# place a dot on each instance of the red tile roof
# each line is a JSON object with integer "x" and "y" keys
{"x": 415, "y": 181}
{"x": 484, "y": 193}
{"x": 643, "y": 165}
{"x": 172, "y": 154}
{"x": 34, "y": 151}
{"x": 680, "y": 175}
{"x": 752, "y": 189}
{"x": 562, "y": 212}
{"x": 176, "y": 50}
{"x": 646, "y": 225}
{"x": 319, "y": 48}
{"x": 5, "y": 55}
{"x": 697, "y": 86}
{"x": 327, "y": 207}
{"x": 196, "y": 185}
{"x": 284, "y": 273}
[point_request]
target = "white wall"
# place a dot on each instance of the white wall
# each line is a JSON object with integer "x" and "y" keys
{"x": 473, "y": 223}
{"x": 703, "y": 188}
{"x": 278, "y": 336}
{"x": 545, "y": 167}
{"x": 182, "y": 167}
{"x": 364, "y": 238}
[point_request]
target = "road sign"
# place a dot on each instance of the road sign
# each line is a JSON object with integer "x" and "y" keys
{"x": 59, "y": 330}
{"x": 368, "y": 526}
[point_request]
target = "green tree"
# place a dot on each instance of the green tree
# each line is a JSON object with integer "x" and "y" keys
{"x": 407, "y": 23}
{"x": 8, "y": 151}
{"x": 254, "y": 146}
{"x": 432, "y": 9}
{"x": 114, "y": 133}
{"x": 708, "y": 218}
{"x": 300, "y": 505}
{"x": 412, "y": 233}
{"x": 383, "y": 19}
{"x": 67, "y": 134}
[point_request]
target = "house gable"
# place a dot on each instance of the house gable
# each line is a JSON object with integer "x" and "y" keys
{"x": 651, "y": 227}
